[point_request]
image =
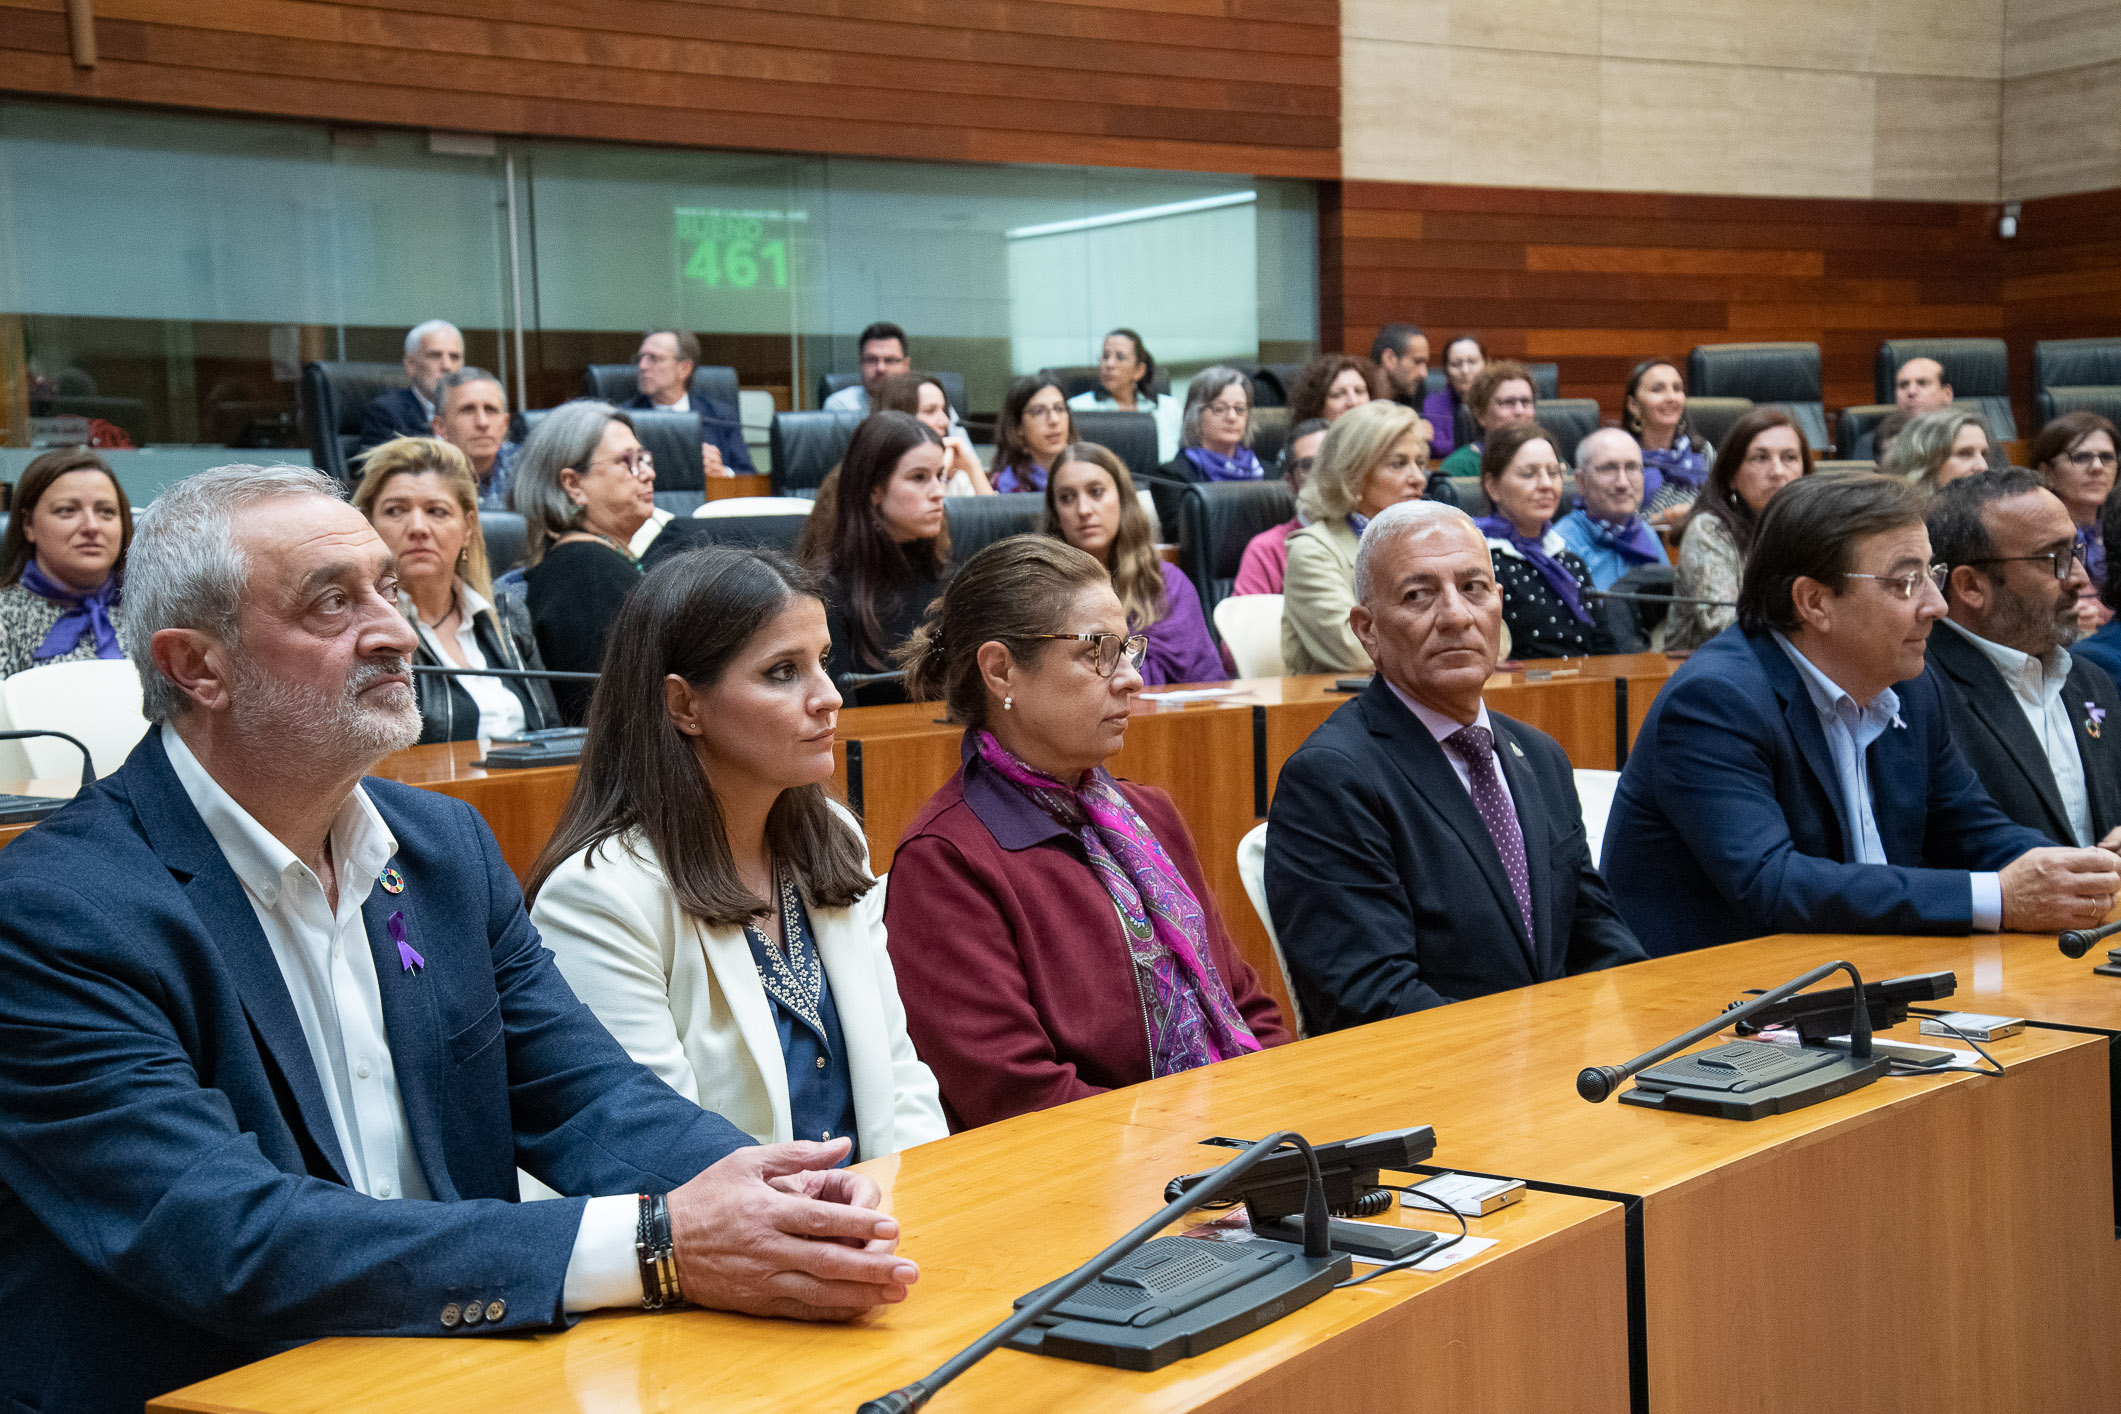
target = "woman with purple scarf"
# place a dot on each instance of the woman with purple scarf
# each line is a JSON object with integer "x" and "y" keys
{"x": 1217, "y": 442}
{"x": 1675, "y": 463}
{"x": 1050, "y": 926}
{"x": 62, "y": 563}
{"x": 1546, "y": 592}
{"x": 1034, "y": 426}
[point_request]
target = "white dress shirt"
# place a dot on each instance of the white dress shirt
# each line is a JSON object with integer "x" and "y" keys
{"x": 500, "y": 710}
{"x": 330, "y": 974}
{"x": 683, "y": 404}
{"x": 1441, "y": 727}
{"x": 2037, "y": 685}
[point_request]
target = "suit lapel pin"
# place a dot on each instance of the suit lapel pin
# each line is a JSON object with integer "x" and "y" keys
{"x": 1898, "y": 724}
{"x": 406, "y": 953}
{"x": 2094, "y": 714}
{"x": 1517, "y": 751}
{"x": 392, "y": 881}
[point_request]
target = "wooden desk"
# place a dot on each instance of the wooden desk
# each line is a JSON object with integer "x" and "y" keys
{"x": 522, "y": 807}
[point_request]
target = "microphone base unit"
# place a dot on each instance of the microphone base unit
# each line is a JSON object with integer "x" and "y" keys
{"x": 1752, "y": 1079}
{"x": 1373, "y": 1242}
{"x": 28, "y": 809}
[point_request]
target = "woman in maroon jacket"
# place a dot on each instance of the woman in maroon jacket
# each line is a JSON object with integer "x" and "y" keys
{"x": 1050, "y": 927}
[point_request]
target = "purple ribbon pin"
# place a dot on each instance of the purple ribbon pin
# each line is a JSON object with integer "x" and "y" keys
{"x": 406, "y": 955}
{"x": 2094, "y": 715}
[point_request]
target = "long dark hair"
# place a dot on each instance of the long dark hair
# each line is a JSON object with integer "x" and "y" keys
{"x": 1010, "y": 448}
{"x": 16, "y": 551}
{"x": 1146, "y": 384}
{"x": 865, "y": 563}
{"x": 1629, "y": 422}
{"x": 691, "y": 616}
{"x": 1717, "y": 498}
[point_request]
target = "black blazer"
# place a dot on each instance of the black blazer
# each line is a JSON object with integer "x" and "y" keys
{"x": 397, "y": 413}
{"x": 1388, "y": 894}
{"x": 1999, "y": 742}
{"x": 447, "y": 710}
{"x": 719, "y": 428}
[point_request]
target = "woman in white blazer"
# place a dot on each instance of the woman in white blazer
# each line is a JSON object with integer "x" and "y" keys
{"x": 702, "y": 894}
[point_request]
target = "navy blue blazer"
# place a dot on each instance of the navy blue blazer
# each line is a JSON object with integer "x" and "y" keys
{"x": 397, "y": 413}
{"x": 1387, "y": 891}
{"x": 173, "y": 1200}
{"x": 1729, "y": 821}
{"x": 719, "y": 428}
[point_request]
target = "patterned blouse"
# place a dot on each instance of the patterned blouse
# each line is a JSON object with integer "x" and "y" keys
{"x": 26, "y": 617}
{"x": 1709, "y": 568}
{"x": 1541, "y": 625}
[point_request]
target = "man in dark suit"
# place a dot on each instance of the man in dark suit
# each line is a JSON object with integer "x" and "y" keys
{"x": 1421, "y": 849}
{"x": 2031, "y": 718}
{"x": 1799, "y": 774}
{"x": 253, "y": 1002}
{"x": 663, "y": 368}
{"x": 433, "y": 351}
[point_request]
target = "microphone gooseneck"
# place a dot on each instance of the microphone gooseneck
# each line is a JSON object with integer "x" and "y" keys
{"x": 2078, "y": 941}
{"x": 88, "y": 762}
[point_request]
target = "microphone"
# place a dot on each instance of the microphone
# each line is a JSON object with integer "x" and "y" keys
{"x": 520, "y": 674}
{"x": 88, "y": 763}
{"x": 1660, "y": 599}
{"x": 854, "y": 682}
{"x": 1596, "y": 1082}
{"x": 2078, "y": 941}
{"x": 1318, "y": 1243}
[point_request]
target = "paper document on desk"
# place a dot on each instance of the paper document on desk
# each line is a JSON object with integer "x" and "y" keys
{"x": 1191, "y": 694}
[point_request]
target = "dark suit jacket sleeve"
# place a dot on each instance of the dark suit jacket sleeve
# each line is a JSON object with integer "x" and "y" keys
{"x": 1340, "y": 908}
{"x": 1598, "y": 936}
{"x": 381, "y": 421}
{"x": 720, "y": 429}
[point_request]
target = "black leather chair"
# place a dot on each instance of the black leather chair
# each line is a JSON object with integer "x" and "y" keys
{"x": 978, "y": 521}
{"x": 1852, "y": 434}
{"x": 805, "y": 447}
{"x": 1978, "y": 370}
{"x": 953, "y": 386}
{"x": 672, "y": 438}
{"x": 715, "y": 384}
{"x": 2103, "y": 400}
{"x": 1130, "y": 436}
{"x": 2073, "y": 364}
{"x": 690, "y": 533}
{"x": 1546, "y": 381}
{"x": 1570, "y": 420}
{"x": 1781, "y": 375}
{"x": 505, "y": 537}
{"x": 1079, "y": 378}
{"x": 1711, "y": 418}
{"x": 1216, "y": 520}
{"x": 1271, "y": 382}
{"x": 1270, "y": 433}
{"x": 333, "y": 395}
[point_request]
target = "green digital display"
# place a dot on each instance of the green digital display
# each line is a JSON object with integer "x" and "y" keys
{"x": 724, "y": 249}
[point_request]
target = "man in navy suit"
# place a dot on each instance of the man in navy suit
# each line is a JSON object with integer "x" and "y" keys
{"x": 1421, "y": 849}
{"x": 1799, "y": 774}
{"x": 663, "y": 368}
{"x": 255, "y": 1004}
{"x": 433, "y": 351}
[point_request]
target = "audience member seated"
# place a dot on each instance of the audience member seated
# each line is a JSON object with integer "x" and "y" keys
{"x": 1033, "y": 428}
{"x": 1331, "y": 384}
{"x": 703, "y": 894}
{"x": 1886, "y": 433}
{"x": 1675, "y": 463}
{"x": 922, "y": 395}
{"x": 1024, "y": 882}
{"x": 2104, "y": 646}
{"x": 1765, "y": 452}
{"x": 471, "y": 414}
{"x": 1919, "y": 387}
{"x": 883, "y": 351}
{"x": 890, "y": 549}
{"x": 1607, "y": 532}
{"x": 1266, "y": 559}
{"x": 1546, "y": 603}
{"x": 1938, "y": 448}
{"x": 2026, "y": 712}
{"x": 1404, "y": 870}
{"x": 585, "y": 486}
{"x": 216, "y": 1143}
{"x": 419, "y": 495}
{"x": 62, "y": 563}
{"x": 1127, "y": 371}
{"x": 1500, "y": 396}
{"x": 1091, "y": 504}
{"x": 1798, "y": 775}
{"x": 433, "y": 351}
{"x": 1463, "y": 358}
{"x": 1401, "y": 353}
{"x": 663, "y": 369}
{"x": 1372, "y": 458}
{"x": 1216, "y": 444}
{"x": 2074, "y": 453}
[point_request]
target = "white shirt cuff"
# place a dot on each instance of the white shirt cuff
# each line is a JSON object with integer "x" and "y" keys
{"x": 604, "y": 1269}
{"x": 1988, "y": 901}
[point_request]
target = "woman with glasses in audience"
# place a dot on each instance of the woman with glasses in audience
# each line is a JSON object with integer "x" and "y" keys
{"x": 1373, "y": 457}
{"x": 1938, "y": 448}
{"x": 1501, "y": 396}
{"x": 1331, "y": 384}
{"x": 422, "y": 496}
{"x": 1546, "y": 591}
{"x": 923, "y": 396}
{"x": 1126, "y": 373}
{"x": 1266, "y": 559}
{"x": 2075, "y": 455}
{"x": 584, "y": 486}
{"x": 1217, "y": 442}
{"x": 1463, "y": 358}
{"x": 1765, "y": 452}
{"x": 1034, "y": 426}
{"x": 1053, "y": 920}
{"x": 1091, "y": 504}
{"x": 890, "y": 549}
{"x": 62, "y": 563}
{"x": 1675, "y": 462}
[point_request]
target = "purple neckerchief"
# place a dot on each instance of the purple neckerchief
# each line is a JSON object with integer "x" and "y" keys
{"x": 1553, "y": 571}
{"x": 1028, "y": 478}
{"x": 1679, "y": 464}
{"x": 1441, "y": 409}
{"x": 1213, "y": 466}
{"x": 1191, "y": 1017}
{"x": 1358, "y": 522}
{"x": 1632, "y": 538}
{"x": 85, "y": 613}
{"x": 2091, "y": 548}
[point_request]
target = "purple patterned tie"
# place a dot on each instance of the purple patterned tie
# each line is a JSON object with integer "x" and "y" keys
{"x": 1476, "y": 747}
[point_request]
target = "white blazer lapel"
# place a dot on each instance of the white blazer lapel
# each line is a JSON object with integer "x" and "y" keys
{"x": 728, "y": 957}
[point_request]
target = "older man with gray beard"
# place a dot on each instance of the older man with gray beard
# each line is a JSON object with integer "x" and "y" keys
{"x": 275, "y": 1039}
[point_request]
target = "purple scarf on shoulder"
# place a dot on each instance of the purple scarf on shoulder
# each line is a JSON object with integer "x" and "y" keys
{"x": 1213, "y": 466}
{"x": 1031, "y": 477}
{"x": 1679, "y": 464}
{"x": 1192, "y": 1018}
{"x": 85, "y": 613}
{"x": 1634, "y": 541}
{"x": 1553, "y": 571}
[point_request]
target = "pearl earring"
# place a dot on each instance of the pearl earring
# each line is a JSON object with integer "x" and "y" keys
{"x": 1009, "y": 702}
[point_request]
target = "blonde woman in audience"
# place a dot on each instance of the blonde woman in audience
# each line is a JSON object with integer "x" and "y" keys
{"x": 1938, "y": 448}
{"x": 422, "y": 496}
{"x": 1765, "y": 452}
{"x": 1375, "y": 456}
{"x": 62, "y": 563}
{"x": 703, "y": 894}
{"x": 1126, "y": 371}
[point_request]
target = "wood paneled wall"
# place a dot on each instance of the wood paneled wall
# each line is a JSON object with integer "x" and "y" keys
{"x": 2063, "y": 277}
{"x": 1249, "y": 86}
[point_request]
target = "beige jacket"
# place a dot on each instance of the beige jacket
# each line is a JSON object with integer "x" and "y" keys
{"x": 1317, "y": 590}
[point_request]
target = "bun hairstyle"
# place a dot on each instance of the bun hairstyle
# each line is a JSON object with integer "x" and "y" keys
{"x": 1009, "y": 593}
